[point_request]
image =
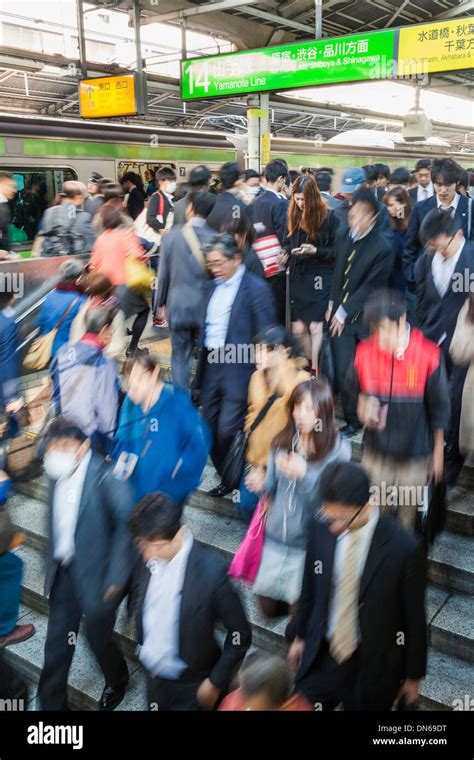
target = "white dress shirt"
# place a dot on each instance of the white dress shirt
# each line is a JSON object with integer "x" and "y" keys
{"x": 442, "y": 269}
{"x": 454, "y": 204}
{"x": 425, "y": 192}
{"x": 365, "y": 539}
{"x": 219, "y": 308}
{"x": 66, "y": 502}
{"x": 161, "y": 614}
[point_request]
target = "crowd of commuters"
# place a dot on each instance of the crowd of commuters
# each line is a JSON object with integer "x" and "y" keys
{"x": 283, "y": 293}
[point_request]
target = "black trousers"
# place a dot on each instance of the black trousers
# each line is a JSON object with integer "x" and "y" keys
{"x": 457, "y": 377}
{"x": 65, "y": 612}
{"x": 166, "y": 695}
{"x": 278, "y": 285}
{"x": 225, "y": 416}
{"x": 344, "y": 349}
{"x": 327, "y": 684}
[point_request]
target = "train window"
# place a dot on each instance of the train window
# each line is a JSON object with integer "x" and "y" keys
{"x": 36, "y": 190}
{"x": 146, "y": 171}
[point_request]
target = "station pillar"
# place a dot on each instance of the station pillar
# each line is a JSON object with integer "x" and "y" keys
{"x": 258, "y": 120}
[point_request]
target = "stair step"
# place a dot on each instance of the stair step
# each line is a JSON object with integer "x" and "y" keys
{"x": 451, "y": 563}
{"x": 85, "y": 683}
{"x": 449, "y": 679}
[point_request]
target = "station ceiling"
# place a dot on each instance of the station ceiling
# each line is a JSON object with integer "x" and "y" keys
{"x": 26, "y": 87}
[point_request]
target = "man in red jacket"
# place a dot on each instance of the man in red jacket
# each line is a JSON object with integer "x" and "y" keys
{"x": 403, "y": 400}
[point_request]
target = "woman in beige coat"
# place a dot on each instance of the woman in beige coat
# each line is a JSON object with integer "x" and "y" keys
{"x": 279, "y": 370}
{"x": 462, "y": 352}
{"x": 100, "y": 291}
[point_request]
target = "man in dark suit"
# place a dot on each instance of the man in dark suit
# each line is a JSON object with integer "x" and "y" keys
{"x": 424, "y": 188}
{"x": 229, "y": 204}
{"x": 446, "y": 173}
{"x": 443, "y": 276}
{"x": 89, "y": 563}
{"x": 364, "y": 263}
{"x": 269, "y": 215}
{"x": 199, "y": 182}
{"x": 180, "y": 593}
{"x": 238, "y": 306}
{"x": 181, "y": 277}
{"x": 360, "y": 626}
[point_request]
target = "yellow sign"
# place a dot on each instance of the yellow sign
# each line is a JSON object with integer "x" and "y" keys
{"x": 258, "y": 113}
{"x": 441, "y": 46}
{"x": 265, "y": 147}
{"x": 107, "y": 96}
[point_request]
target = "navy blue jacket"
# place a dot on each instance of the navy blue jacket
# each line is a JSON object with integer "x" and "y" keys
{"x": 53, "y": 308}
{"x": 271, "y": 210}
{"x": 8, "y": 359}
{"x": 252, "y": 311}
{"x": 414, "y": 246}
{"x": 438, "y": 315}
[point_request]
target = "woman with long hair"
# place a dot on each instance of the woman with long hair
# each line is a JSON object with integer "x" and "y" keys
{"x": 399, "y": 206}
{"x": 312, "y": 229}
{"x": 299, "y": 454}
{"x": 462, "y": 353}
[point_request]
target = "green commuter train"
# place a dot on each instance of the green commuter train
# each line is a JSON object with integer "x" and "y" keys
{"x": 44, "y": 152}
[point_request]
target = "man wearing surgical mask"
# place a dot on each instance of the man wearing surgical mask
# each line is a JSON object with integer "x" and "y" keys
{"x": 89, "y": 563}
{"x": 251, "y": 187}
{"x": 360, "y": 627}
{"x": 160, "y": 208}
{"x": 11, "y": 573}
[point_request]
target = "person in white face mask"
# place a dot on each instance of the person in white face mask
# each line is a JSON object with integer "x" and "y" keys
{"x": 251, "y": 186}
{"x": 160, "y": 208}
{"x": 89, "y": 562}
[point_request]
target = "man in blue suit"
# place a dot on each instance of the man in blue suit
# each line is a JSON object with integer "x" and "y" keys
{"x": 239, "y": 305}
{"x": 446, "y": 174}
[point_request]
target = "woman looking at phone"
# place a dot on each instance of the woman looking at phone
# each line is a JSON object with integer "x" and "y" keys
{"x": 312, "y": 229}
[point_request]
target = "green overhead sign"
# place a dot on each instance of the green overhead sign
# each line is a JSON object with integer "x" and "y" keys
{"x": 285, "y": 67}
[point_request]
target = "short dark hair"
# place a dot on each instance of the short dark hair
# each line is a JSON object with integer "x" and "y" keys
{"x": 275, "y": 169}
{"x": 251, "y": 174}
{"x": 464, "y": 179}
{"x": 446, "y": 171}
{"x": 240, "y": 225}
{"x": 365, "y": 195}
{"x": 384, "y": 304}
{"x": 293, "y": 174}
{"x": 327, "y": 169}
{"x": 370, "y": 172}
{"x": 225, "y": 243}
{"x": 265, "y": 673}
{"x": 112, "y": 190}
{"x": 275, "y": 336}
{"x": 229, "y": 174}
{"x": 438, "y": 223}
{"x": 202, "y": 203}
{"x": 155, "y": 516}
{"x": 382, "y": 170}
{"x": 346, "y": 483}
{"x": 165, "y": 173}
{"x": 323, "y": 181}
{"x": 423, "y": 163}
{"x": 61, "y": 427}
{"x": 200, "y": 176}
{"x": 400, "y": 176}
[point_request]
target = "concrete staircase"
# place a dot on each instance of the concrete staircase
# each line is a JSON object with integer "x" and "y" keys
{"x": 214, "y": 522}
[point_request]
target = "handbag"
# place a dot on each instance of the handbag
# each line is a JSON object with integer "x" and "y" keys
{"x": 40, "y": 352}
{"x": 246, "y": 562}
{"x": 268, "y": 249}
{"x": 234, "y": 462}
{"x": 147, "y": 233}
{"x": 138, "y": 276}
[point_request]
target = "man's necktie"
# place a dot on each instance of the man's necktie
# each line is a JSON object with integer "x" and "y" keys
{"x": 447, "y": 209}
{"x": 344, "y": 640}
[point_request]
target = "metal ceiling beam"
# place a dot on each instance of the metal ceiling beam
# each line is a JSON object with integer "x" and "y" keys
{"x": 397, "y": 13}
{"x": 221, "y": 5}
{"x": 281, "y": 20}
{"x": 458, "y": 10}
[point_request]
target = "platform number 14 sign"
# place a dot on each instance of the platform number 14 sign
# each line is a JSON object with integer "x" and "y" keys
{"x": 199, "y": 77}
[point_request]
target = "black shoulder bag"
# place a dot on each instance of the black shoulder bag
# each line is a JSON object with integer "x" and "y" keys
{"x": 234, "y": 462}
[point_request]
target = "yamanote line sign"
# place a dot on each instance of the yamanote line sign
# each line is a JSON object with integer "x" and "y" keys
{"x": 408, "y": 51}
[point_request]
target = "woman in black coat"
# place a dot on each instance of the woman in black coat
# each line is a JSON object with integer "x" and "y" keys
{"x": 310, "y": 243}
